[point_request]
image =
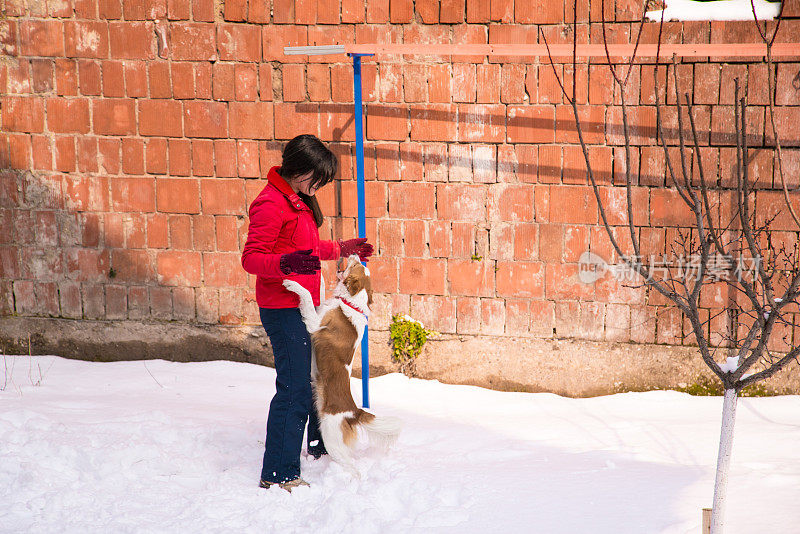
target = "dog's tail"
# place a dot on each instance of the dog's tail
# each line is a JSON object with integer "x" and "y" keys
{"x": 382, "y": 431}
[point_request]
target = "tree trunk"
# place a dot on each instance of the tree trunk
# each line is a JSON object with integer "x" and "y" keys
{"x": 723, "y": 460}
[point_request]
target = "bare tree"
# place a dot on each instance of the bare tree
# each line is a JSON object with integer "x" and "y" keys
{"x": 734, "y": 246}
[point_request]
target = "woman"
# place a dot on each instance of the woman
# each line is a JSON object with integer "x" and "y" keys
{"x": 283, "y": 243}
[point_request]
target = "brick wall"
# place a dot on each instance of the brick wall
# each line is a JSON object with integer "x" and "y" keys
{"x": 134, "y": 136}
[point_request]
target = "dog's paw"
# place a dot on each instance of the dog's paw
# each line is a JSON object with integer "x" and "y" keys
{"x": 293, "y": 286}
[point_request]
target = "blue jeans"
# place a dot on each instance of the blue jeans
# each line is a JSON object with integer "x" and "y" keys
{"x": 292, "y": 404}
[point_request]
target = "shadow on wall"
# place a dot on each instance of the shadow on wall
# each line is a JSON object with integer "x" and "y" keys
{"x": 69, "y": 254}
{"x": 535, "y": 145}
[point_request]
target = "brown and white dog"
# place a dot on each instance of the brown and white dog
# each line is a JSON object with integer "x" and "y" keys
{"x": 336, "y": 329}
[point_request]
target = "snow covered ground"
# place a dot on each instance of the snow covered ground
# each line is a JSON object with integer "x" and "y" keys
{"x": 168, "y": 447}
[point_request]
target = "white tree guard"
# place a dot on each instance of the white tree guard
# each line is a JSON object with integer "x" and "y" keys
{"x": 723, "y": 460}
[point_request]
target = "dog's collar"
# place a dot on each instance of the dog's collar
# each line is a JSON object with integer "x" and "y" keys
{"x": 356, "y": 308}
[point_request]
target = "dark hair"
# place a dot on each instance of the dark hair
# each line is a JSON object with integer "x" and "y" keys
{"x": 303, "y": 154}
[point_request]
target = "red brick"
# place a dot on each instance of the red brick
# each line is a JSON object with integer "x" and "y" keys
{"x": 41, "y": 75}
{"x": 471, "y": 278}
{"x": 520, "y": 279}
{"x": 452, "y": 11}
{"x": 133, "y": 194}
{"x": 160, "y": 81}
{"x": 423, "y": 276}
{"x": 183, "y": 80}
{"x": 592, "y": 119}
{"x": 223, "y": 81}
{"x": 203, "y": 232}
{"x": 64, "y": 152}
{"x": 428, "y": 12}
{"x": 283, "y": 11}
{"x": 251, "y": 120}
{"x": 493, "y": 316}
{"x": 225, "y": 155}
{"x": 157, "y": 231}
{"x": 293, "y": 118}
{"x": 202, "y": 157}
{"x": 511, "y": 203}
{"x": 461, "y": 202}
{"x": 401, "y": 11}
{"x": 156, "y": 155}
{"x": 786, "y": 121}
{"x": 562, "y": 283}
{"x": 22, "y": 114}
{"x": 114, "y": 116}
{"x": 412, "y": 200}
{"x": 203, "y": 10}
{"x": 259, "y": 12}
{"x": 551, "y": 242}
{"x": 502, "y": 10}
{"x": 248, "y": 159}
{"x": 68, "y": 115}
{"x": 203, "y": 80}
{"x": 176, "y": 268}
{"x": 246, "y": 84}
{"x": 86, "y": 39}
{"x": 193, "y": 41}
{"x": 464, "y": 83}
{"x": 239, "y": 42}
{"x": 180, "y": 157}
{"x": 531, "y": 124}
{"x": 89, "y": 77}
{"x": 483, "y": 122}
{"x": 41, "y": 38}
{"x": 132, "y": 40}
{"x": 42, "y": 152}
{"x": 668, "y": 209}
{"x": 274, "y": 38}
{"x": 319, "y": 87}
{"x": 66, "y": 77}
{"x": 113, "y": 79}
{"x": 387, "y": 122}
{"x": 160, "y": 118}
{"x": 294, "y": 83}
{"x": 87, "y": 154}
{"x": 135, "y": 78}
{"x": 539, "y": 13}
{"x": 226, "y": 231}
{"x": 236, "y": 10}
{"x": 488, "y": 80}
{"x": 265, "y": 82}
{"x": 223, "y": 269}
{"x": 572, "y": 204}
{"x": 433, "y": 122}
{"x": 177, "y": 195}
{"x": 138, "y": 303}
{"x": 179, "y": 10}
{"x": 468, "y": 312}
{"x": 132, "y": 156}
{"x": 223, "y": 197}
{"x": 205, "y": 119}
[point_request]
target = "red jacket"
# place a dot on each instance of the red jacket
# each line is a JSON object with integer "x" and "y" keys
{"x": 280, "y": 223}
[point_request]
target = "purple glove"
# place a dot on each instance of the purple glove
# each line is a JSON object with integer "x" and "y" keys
{"x": 300, "y": 262}
{"x": 356, "y": 246}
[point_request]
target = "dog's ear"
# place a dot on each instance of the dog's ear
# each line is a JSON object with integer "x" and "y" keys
{"x": 354, "y": 283}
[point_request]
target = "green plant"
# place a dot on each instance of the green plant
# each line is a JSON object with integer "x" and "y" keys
{"x": 475, "y": 257}
{"x": 407, "y": 337}
{"x": 707, "y": 387}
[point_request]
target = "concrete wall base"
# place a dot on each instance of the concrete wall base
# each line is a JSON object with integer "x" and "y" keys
{"x": 568, "y": 367}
